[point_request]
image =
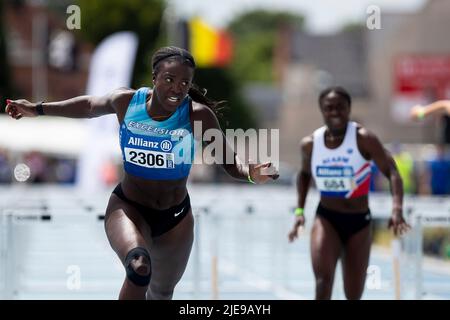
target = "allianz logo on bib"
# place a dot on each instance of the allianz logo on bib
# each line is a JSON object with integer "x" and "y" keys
{"x": 166, "y": 145}
{"x": 330, "y": 171}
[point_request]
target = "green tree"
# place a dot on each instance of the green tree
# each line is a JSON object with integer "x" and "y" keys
{"x": 234, "y": 113}
{"x": 102, "y": 18}
{"x": 5, "y": 87}
{"x": 255, "y": 35}
{"x": 353, "y": 27}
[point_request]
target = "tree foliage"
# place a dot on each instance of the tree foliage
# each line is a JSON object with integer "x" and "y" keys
{"x": 235, "y": 113}
{"x": 144, "y": 17}
{"x": 255, "y": 35}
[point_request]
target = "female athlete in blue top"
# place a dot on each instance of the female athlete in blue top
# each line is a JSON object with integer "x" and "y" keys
{"x": 148, "y": 221}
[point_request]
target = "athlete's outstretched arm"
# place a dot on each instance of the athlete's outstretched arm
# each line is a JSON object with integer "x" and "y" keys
{"x": 372, "y": 146}
{"x": 78, "y": 107}
{"x": 303, "y": 183}
{"x": 230, "y": 161}
{"x": 439, "y": 107}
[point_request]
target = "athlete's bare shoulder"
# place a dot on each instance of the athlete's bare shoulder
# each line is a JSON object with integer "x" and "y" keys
{"x": 368, "y": 142}
{"x": 121, "y": 97}
{"x": 199, "y": 108}
{"x": 306, "y": 144}
{"x": 206, "y": 115}
{"x": 364, "y": 133}
{"x": 307, "y": 140}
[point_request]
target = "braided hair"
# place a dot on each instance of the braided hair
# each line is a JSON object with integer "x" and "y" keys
{"x": 185, "y": 57}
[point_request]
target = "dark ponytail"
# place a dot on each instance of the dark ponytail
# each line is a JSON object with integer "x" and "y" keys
{"x": 199, "y": 95}
{"x": 174, "y": 53}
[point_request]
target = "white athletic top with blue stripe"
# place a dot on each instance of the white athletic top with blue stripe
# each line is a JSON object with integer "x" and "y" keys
{"x": 341, "y": 172}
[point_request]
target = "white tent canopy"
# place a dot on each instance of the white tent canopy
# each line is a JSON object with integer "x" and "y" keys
{"x": 51, "y": 135}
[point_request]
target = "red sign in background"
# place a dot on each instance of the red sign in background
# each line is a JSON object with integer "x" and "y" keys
{"x": 426, "y": 75}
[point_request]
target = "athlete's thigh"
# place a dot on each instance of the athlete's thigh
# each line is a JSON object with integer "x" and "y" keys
{"x": 125, "y": 227}
{"x": 356, "y": 256}
{"x": 325, "y": 247}
{"x": 170, "y": 252}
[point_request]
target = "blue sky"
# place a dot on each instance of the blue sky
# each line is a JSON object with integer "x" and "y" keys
{"x": 323, "y": 16}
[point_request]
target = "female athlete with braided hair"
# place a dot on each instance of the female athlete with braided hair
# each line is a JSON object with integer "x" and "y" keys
{"x": 149, "y": 221}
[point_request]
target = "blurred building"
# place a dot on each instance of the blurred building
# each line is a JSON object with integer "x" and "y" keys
{"x": 366, "y": 63}
{"x": 317, "y": 62}
{"x": 48, "y": 62}
{"x": 421, "y": 35}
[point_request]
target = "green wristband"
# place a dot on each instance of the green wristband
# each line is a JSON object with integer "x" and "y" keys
{"x": 250, "y": 179}
{"x": 421, "y": 114}
{"x": 299, "y": 212}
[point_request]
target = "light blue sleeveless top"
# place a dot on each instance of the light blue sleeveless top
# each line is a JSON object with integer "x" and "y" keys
{"x": 157, "y": 150}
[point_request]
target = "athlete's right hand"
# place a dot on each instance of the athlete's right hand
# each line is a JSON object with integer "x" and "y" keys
{"x": 297, "y": 228}
{"x": 20, "y": 108}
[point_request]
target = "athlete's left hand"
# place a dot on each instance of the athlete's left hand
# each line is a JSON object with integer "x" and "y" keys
{"x": 297, "y": 229}
{"x": 261, "y": 173}
{"x": 398, "y": 224}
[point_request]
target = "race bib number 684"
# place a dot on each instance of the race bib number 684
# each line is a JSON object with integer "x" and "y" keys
{"x": 334, "y": 179}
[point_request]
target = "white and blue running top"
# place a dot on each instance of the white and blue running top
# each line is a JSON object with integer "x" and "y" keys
{"x": 341, "y": 172}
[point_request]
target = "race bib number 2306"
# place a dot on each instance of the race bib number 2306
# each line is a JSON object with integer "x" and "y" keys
{"x": 149, "y": 159}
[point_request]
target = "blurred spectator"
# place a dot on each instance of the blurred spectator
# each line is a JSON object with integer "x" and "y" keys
{"x": 447, "y": 250}
{"x": 44, "y": 168}
{"x": 109, "y": 173}
{"x": 436, "y": 241}
{"x": 405, "y": 165}
{"x": 38, "y": 165}
{"x": 65, "y": 171}
{"x": 5, "y": 167}
{"x": 376, "y": 180}
{"x": 439, "y": 171}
